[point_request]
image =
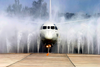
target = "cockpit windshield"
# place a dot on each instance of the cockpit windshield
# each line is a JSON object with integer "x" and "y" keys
{"x": 50, "y": 27}
{"x": 44, "y": 27}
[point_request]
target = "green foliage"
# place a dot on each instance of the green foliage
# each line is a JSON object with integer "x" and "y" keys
{"x": 38, "y": 9}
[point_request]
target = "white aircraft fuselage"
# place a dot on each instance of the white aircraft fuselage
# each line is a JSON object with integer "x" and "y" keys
{"x": 49, "y": 34}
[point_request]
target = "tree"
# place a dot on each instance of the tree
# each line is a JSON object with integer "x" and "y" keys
{"x": 9, "y": 10}
{"x": 38, "y": 9}
{"x": 26, "y": 11}
{"x": 44, "y": 10}
{"x": 69, "y": 15}
{"x": 15, "y": 8}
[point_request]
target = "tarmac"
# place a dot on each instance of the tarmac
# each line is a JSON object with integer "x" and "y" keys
{"x": 52, "y": 60}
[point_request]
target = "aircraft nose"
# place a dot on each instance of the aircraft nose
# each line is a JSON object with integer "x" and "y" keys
{"x": 49, "y": 35}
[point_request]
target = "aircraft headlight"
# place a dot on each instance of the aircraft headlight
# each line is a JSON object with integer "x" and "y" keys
{"x": 47, "y": 46}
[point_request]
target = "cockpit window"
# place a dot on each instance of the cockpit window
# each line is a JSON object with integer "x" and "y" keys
{"x": 52, "y": 27}
{"x": 44, "y": 27}
{"x": 56, "y": 28}
{"x": 48, "y": 27}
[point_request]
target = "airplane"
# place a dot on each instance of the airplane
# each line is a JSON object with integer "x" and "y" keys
{"x": 49, "y": 34}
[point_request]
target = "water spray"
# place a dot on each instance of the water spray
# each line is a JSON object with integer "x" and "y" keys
{"x": 50, "y": 12}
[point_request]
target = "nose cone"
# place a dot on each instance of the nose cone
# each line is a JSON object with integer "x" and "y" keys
{"x": 49, "y": 35}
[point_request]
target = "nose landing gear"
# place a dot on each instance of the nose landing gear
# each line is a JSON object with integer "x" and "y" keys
{"x": 48, "y": 46}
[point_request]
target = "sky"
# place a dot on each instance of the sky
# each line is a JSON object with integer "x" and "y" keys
{"x": 75, "y": 6}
